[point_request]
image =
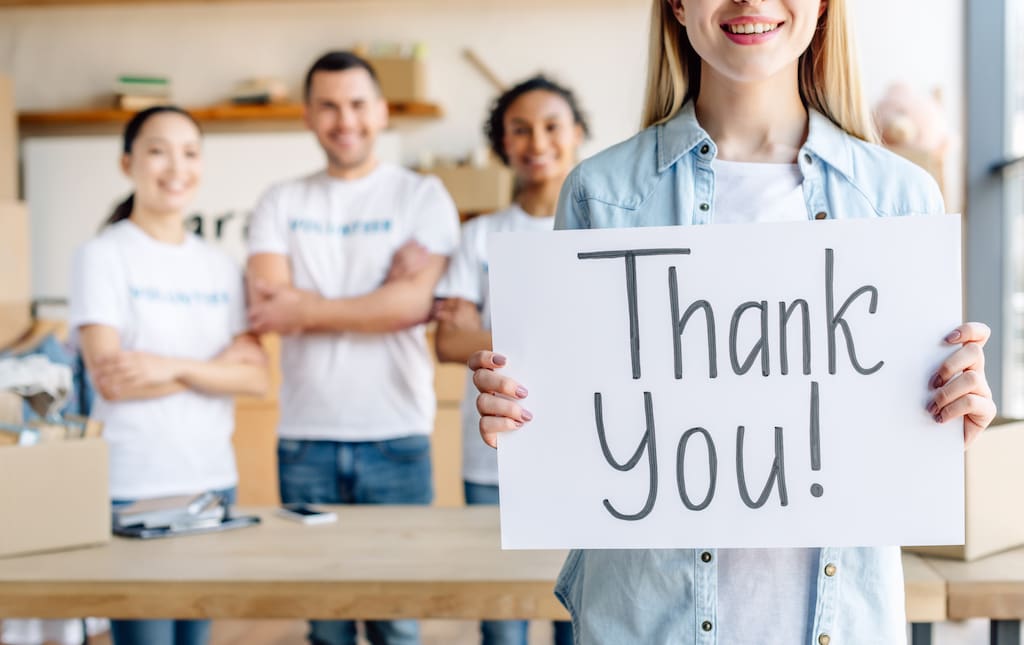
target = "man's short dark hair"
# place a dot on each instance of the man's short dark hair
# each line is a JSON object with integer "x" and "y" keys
{"x": 339, "y": 61}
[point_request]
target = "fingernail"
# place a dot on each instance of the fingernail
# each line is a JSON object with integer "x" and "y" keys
{"x": 499, "y": 359}
{"x": 933, "y": 409}
{"x": 521, "y": 392}
{"x": 937, "y": 417}
{"x": 527, "y": 415}
{"x": 936, "y": 381}
{"x": 953, "y": 336}
{"x": 519, "y": 424}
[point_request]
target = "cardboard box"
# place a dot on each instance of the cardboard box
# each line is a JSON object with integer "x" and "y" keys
{"x": 8, "y": 141}
{"x": 402, "y": 80}
{"x": 993, "y": 481}
{"x": 56, "y": 496}
{"x": 16, "y": 284}
{"x": 477, "y": 190}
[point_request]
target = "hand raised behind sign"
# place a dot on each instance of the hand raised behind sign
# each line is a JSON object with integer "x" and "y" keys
{"x": 499, "y": 395}
{"x": 961, "y": 389}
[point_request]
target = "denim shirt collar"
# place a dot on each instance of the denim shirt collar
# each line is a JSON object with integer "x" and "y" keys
{"x": 681, "y": 134}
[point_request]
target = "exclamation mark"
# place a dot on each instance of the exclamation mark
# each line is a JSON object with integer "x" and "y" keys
{"x": 816, "y": 489}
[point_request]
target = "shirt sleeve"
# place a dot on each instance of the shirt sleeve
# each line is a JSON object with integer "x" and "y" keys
{"x": 237, "y": 318}
{"x": 463, "y": 277}
{"x": 436, "y": 218}
{"x": 936, "y": 204}
{"x": 572, "y": 208}
{"x": 99, "y": 292}
{"x": 268, "y": 225}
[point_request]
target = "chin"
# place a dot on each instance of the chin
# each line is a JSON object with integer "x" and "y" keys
{"x": 548, "y": 174}
{"x": 175, "y": 207}
{"x": 351, "y": 161}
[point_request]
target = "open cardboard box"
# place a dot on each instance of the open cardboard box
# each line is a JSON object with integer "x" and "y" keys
{"x": 55, "y": 494}
{"x": 993, "y": 479}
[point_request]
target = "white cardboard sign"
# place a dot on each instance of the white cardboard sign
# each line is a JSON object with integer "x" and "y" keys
{"x": 755, "y": 385}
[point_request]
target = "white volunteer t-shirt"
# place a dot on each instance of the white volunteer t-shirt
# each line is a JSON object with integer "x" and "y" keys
{"x": 765, "y": 596}
{"x": 467, "y": 279}
{"x": 183, "y": 300}
{"x": 339, "y": 237}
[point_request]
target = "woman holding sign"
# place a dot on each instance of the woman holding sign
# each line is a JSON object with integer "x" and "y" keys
{"x": 753, "y": 114}
{"x": 535, "y": 128}
{"x": 160, "y": 317}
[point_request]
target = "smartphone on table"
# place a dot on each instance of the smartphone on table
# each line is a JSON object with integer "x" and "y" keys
{"x": 306, "y": 514}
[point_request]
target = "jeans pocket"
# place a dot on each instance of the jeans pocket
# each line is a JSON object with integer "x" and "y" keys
{"x": 291, "y": 451}
{"x": 405, "y": 449}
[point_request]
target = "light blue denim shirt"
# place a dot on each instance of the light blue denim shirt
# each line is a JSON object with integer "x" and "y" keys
{"x": 660, "y": 177}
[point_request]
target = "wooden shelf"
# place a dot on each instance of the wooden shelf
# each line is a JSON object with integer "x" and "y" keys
{"x": 225, "y": 113}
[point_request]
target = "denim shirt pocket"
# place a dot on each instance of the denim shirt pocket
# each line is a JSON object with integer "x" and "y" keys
{"x": 567, "y": 588}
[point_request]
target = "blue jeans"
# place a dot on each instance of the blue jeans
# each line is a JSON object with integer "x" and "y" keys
{"x": 508, "y": 632}
{"x": 396, "y": 471}
{"x": 162, "y": 632}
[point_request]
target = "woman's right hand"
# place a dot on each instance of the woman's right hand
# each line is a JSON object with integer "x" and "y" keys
{"x": 498, "y": 402}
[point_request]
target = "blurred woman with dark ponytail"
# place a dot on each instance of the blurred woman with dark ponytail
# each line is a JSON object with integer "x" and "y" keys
{"x": 536, "y": 129}
{"x": 159, "y": 316}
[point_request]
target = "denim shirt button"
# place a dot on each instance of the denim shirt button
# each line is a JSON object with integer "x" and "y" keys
{"x": 704, "y": 206}
{"x": 705, "y": 557}
{"x": 820, "y": 215}
{"x": 824, "y": 639}
{"x": 704, "y": 149}
{"x": 808, "y": 158}
{"x": 707, "y": 626}
{"x": 830, "y": 569}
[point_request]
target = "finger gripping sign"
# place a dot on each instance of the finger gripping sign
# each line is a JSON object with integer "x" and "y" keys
{"x": 757, "y": 385}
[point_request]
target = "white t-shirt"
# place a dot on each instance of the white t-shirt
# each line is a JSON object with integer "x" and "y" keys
{"x": 765, "y": 596}
{"x": 467, "y": 279}
{"x": 181, "y": 300}
{"x": 339, "y": 237}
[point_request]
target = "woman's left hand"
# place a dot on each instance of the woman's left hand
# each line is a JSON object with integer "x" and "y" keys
{"x": 961, "y": 389}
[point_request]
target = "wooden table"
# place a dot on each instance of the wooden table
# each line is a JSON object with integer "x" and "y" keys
{"x": 992, "y": 588}
{"x": 373, "y": 563}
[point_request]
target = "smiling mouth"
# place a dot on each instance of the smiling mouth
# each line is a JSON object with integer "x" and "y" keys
{"x": 175, "y": 188}
{"x": 751, "y": 28}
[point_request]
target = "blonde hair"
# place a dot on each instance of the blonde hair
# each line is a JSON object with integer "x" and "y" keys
{"x": 829, "y": 78}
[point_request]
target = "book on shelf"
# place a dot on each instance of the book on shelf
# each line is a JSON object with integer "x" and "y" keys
{"x": 135, "y": 103}
{"x": 143, "y": 85}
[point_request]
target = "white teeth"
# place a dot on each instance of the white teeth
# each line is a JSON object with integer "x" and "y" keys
{"x": 751, "y": 28}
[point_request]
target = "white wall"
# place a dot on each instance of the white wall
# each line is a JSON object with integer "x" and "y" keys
{"x": 64, "y": 57}
{"x": 921, "y": 44}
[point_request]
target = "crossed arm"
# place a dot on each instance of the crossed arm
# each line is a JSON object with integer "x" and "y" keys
{"x": 403, "y": 300}
{"x": 119, "y": 375}
{"x": 460, "y": 332}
